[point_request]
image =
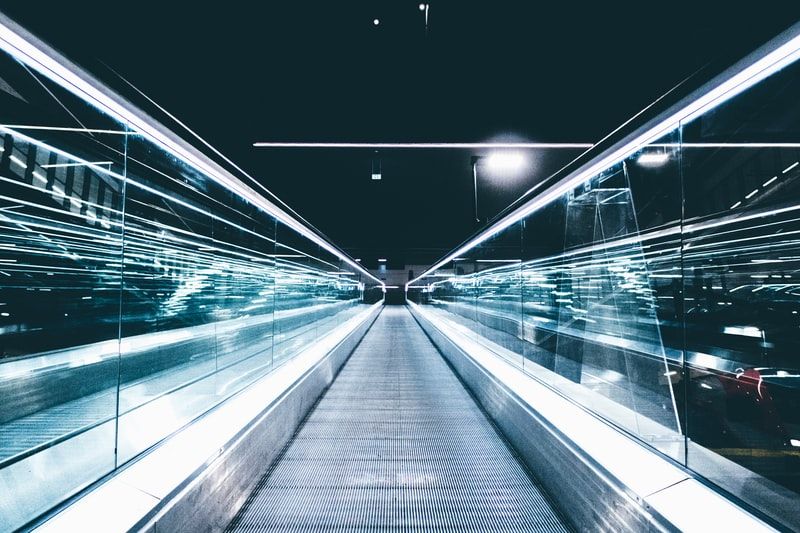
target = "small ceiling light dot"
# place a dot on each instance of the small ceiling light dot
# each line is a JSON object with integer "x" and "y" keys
{"x": 422, "y": 7}
{"x": 376, "y": 21}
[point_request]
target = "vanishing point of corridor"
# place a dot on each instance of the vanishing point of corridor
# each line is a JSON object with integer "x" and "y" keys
{"x": 397, "y": 442}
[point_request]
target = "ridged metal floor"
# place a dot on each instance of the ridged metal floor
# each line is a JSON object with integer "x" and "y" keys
{"x": 398, "y": 444}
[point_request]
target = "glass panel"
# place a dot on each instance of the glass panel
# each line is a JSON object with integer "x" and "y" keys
{"x": 244, "y": 255}
{"x": 297, "y": 306}
{"x": 539, "y": 284}
{"x": 136, "y": 293}
{"x": 495, "y": 281}
{"x": 660, "y": 294}
{"x": 571, "y": 294}
{"x": 593, "y": 264}
{"x": 61, "y": 193}
{"x": 169, "y": 304}
{"x": 608, "y": 336}
{"x": 741, "y": 261}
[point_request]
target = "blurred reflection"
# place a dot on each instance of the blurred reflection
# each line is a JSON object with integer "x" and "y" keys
{"x": 660, "y": 293}
{"x": 136, "y": 293}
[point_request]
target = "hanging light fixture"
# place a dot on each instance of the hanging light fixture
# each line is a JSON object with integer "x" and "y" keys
{"x": 376, "y": 167}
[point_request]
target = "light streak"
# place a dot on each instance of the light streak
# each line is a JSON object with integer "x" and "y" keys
{"x": 425, "y": 146}
{"x": 38, "y": 56}
{"x": 81, "y": 164}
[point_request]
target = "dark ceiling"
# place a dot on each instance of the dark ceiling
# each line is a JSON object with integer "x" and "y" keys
{"x": 244, "y": 71}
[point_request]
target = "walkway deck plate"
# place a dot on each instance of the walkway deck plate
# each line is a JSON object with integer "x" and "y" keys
{"x": 397, "y": 443}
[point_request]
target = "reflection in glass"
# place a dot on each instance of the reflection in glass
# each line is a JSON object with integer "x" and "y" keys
{"x": 740, "y": 260}
{"x": 136, "y": 293}
{"x": 61, "y": 220}
{"x": 660, "y": 293}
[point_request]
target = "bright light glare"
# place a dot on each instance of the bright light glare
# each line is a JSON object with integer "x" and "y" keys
{"x": 505, "y": 161}
{"x": 422, "y": 7}
{"x": 745, "y": 331}
{"x": 653, "y": 158}
{"x": 88, "y": 163}
{"x": 376, "y": 22}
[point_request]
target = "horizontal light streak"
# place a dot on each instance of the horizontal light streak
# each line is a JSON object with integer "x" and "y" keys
{"x": 744, "y": 145}
{"x": 44, "y": 60}
{"x": 56, "y": 210}
{"x": 83, "y": 164}
{"x": 59, "y": 128}
{"x": 61, "y": 193}
{"x": 422, "y": 145}
{"x": 661, "y": 233}
{"x": 152, "y": 244}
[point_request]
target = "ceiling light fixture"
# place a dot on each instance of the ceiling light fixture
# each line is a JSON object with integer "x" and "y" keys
{"x": 505, "y": 162}
{"x": 653, "y": 159}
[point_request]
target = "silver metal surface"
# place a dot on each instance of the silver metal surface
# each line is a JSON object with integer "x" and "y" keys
{"x": 397, "y": 443}
{"x": 51, "y": 398}
{"x": 590, "y": 498}
{"x": 209, "y": 498}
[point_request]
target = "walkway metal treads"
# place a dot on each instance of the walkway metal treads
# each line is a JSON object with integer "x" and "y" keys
{"x": 396, "y": 443}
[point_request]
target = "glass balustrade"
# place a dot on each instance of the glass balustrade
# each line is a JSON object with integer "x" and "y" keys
{"x": 136, "y": 293}
{"x": 661, "y": 293}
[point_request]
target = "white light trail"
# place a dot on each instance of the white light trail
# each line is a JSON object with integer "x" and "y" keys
{"x": 59, "y": 128}
{"x": 434, "y": 145}
{"x": 43, "y": 59}
{"x": 83, "y": 164}
{"x": 732, "y": 145}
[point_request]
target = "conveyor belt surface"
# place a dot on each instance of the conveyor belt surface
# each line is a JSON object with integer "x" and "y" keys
{"x": 396, "y": 443}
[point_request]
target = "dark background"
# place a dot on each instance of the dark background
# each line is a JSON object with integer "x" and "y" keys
{"x": 237, "y": 72}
